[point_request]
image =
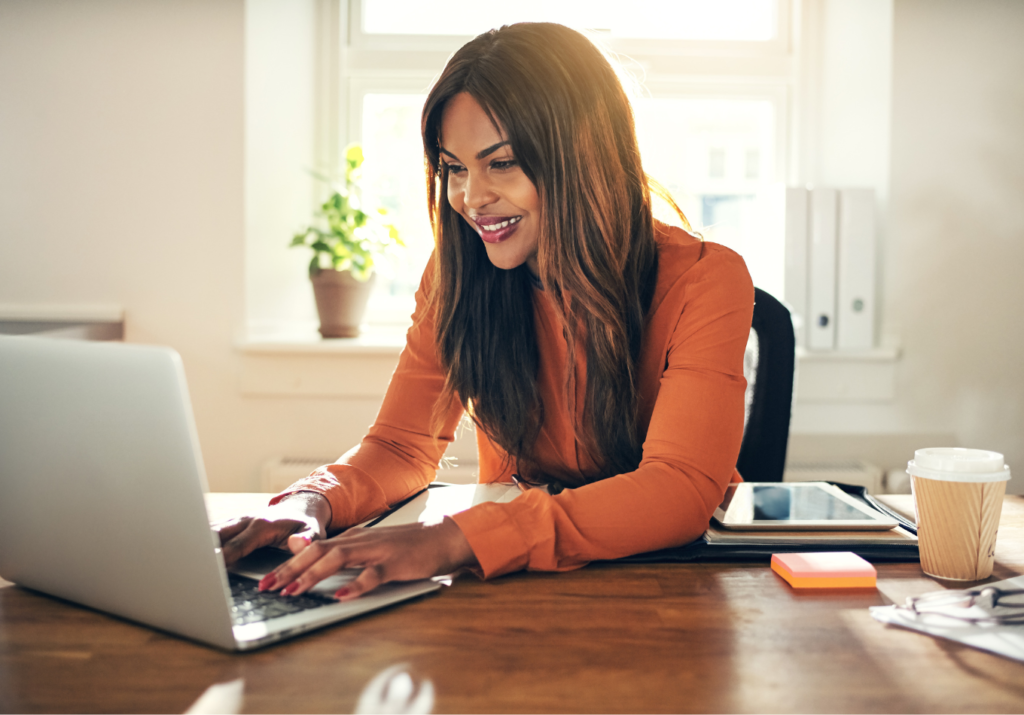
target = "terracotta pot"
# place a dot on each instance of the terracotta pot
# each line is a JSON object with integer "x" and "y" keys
{"x": 341, "y": 302}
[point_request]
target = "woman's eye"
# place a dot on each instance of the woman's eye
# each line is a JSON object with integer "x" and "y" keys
{"x": 455, "y": 168}
{"x": 504, "y": 164}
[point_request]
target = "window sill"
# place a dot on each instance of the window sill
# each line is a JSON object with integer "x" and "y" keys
{"x": 374, "y": 340}
{"x": 301, "y": 363}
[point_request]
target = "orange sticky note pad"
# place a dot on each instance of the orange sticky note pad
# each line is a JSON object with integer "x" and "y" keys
{"x": 825, "y": 569}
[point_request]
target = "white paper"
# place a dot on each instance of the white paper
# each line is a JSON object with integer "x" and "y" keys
{"x": 1005, "y": 640}
{"x": 433, "y": 505}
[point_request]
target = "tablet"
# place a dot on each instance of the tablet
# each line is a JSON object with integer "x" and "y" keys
{"x": 796, "y": 506}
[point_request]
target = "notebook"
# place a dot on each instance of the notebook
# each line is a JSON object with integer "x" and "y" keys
{"x": 101, "y": 498}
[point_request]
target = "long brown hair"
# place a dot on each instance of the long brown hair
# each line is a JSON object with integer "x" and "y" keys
{"x": 570, "y": 126}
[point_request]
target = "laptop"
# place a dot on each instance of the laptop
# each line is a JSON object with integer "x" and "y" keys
{"x": 101, "y": 500}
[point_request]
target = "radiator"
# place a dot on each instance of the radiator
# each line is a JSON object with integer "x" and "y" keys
{"x": 857, "y": 473}
{"x": 278, "y": 473}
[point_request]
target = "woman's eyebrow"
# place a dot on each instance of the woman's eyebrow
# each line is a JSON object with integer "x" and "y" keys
{"x": 491, "y": 149}
{"x": 480, "y": 154}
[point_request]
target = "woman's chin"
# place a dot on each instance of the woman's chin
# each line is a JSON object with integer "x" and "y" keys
{"x": 505, "y": 260}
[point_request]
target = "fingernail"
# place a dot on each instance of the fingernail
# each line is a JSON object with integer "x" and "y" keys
{"x": 268, "y": 582}
{"x": 290, "y": 588}
{"x": 341, "y": 592}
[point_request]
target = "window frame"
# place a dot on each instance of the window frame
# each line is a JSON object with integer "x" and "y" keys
{"x": 686, "y": 69}
{"x": 781, "y": 44}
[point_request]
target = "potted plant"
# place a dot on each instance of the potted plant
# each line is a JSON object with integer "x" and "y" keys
{"x": 345, "y": 240}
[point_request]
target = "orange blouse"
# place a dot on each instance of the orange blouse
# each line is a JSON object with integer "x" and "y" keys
{"x": 691, "y": 424}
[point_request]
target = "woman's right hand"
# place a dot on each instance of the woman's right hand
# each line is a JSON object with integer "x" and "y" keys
{"x": 295, "y": 521}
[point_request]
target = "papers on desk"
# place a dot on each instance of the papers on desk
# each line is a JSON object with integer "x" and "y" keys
{"x": 432, "y": 505}
{"x": 1005, "y": 640}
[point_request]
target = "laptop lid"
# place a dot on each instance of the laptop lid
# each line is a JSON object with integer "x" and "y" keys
{"x": 101, "y": 495}
{"x": 101, "y": 484}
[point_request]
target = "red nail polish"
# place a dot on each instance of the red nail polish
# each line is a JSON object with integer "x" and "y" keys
{"x": 341, "y": 592}
{"x": 290, "y": 588}
{"x": 268, "y": 582}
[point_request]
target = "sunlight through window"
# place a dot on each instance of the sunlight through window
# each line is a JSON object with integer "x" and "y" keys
{"x": 736, "y": 20}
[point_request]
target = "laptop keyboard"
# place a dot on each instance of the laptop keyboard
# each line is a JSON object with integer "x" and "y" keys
{"x": 250, "y": 605}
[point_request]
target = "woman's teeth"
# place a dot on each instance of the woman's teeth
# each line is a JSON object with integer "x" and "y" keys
{"x": 503, "y": 224}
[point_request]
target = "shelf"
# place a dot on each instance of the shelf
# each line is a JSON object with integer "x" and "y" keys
{"x": 83, "y": 322}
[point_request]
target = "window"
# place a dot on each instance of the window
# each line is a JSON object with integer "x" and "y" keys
{"x": 743, "y": 20}
{"x": 713, "y": 80}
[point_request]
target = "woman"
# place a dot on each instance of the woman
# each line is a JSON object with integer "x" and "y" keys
{"x": 598, "y": 352}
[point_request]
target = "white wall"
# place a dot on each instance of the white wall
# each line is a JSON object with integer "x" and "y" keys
{"x": 940, "y": 140}
{"x": 121, "y": 177}
{"x": 280, "y": 119}
{"x": 955, "y": 253}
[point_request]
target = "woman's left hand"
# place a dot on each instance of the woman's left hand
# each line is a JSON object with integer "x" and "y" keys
{"x": 397, "y": 553}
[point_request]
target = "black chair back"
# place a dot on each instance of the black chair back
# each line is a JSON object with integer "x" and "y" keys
{"x": 768, "y": 366}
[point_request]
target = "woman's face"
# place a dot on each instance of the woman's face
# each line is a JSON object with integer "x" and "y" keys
{"x": 487, "y": 186}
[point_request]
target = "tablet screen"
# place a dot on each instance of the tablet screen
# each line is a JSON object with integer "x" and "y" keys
{"x": 805, "y": 505}
{"x": 773, "y": 503}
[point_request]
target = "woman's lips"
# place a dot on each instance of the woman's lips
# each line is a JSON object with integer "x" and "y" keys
{"x": 495, "y": 229}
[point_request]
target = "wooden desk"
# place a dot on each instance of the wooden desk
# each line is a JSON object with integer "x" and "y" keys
{"x": 607, "y": 638}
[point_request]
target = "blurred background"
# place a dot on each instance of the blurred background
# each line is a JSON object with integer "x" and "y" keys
{"x": 155, "y": 160}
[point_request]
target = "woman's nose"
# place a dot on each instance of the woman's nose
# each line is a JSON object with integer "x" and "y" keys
{"x": 479, "y": 192}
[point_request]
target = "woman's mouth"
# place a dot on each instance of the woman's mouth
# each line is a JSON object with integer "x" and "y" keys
{"x": 495, "y": 229}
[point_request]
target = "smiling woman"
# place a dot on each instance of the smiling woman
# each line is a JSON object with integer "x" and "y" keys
{"x": 489, "y": 188}
{"x": 598, "y": 352}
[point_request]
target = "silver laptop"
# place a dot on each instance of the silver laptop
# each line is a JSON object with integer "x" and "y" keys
{"x": 101, "y": 500}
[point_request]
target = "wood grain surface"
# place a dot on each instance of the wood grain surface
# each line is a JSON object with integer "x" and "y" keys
{"x": 606, "y": 638}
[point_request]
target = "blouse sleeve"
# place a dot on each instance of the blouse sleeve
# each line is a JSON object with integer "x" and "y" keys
{"x": 689, "y": 454}
{"x": 398, "y": 457}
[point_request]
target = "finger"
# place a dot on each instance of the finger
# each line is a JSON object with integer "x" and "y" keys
{"x": 258, "y": 533}
{"x": 284, "y": 575}
{"x": 370, "y": 578}
{"x": 228, "y": 530}
{"x": 300, "y": 540}
{"x": 325, "y": 561}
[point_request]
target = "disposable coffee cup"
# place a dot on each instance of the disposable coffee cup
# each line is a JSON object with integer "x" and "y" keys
{"x": 958, "y": 497}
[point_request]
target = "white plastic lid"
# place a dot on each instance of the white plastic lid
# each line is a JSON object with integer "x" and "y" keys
{"x": 956, "y": 464}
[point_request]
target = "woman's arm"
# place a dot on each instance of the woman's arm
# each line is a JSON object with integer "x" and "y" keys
{"x": 397, "y": 458}
{"x": 689, "y": 454}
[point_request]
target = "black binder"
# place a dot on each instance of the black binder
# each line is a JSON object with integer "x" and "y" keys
{"x": 702, "y": 551}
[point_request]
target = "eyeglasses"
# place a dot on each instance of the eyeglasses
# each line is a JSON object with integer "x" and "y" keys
{"x": 994, "y": 605}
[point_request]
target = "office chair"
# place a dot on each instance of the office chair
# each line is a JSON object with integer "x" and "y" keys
{"x": 768, "y": 365}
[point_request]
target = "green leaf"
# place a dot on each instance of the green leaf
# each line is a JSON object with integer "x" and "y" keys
{"x": 344, "y": 234}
